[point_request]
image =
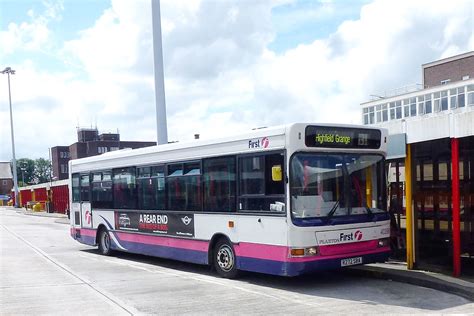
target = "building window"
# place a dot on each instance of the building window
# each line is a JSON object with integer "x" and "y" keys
{"x": 421, "y": 105}
{"x": 385, "y": 112}
{"x": 64, "y": 168}
{"x": 445, "y": 81}
{"x": 114, "y": 148}
{"x": 466, "y": 77}
{"x": 470, "y": 94}
{"x": 412, "y": 106}
{"x": 392, "y": 110}
{"x": 64, "y": 154}
{"x": 101, "y": 150}
{"x": 381, "y": 112}
{"x": 437, "y": 101}
{"x": 444, "y": 100}
{"x": 378, "y": 113}
{"x": 461, "y": 100}
{"x": 369, "y": 115}
{"x": 406, "y": 108}
{"x": 398, "y": 109}
{"x": 453, "y": 98}
{"x": 428, "y": 107}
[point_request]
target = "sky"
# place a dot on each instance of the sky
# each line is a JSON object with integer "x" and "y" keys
{"x": 229, "y": 65}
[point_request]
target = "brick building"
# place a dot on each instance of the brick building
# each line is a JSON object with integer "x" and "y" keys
{"x": 6, "y": 178}
{"x": 90, "y": 143}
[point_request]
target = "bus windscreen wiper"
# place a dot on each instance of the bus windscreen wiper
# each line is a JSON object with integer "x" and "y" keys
{"x": 333, "y": 210}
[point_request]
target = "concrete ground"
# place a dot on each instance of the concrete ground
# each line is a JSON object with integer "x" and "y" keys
{"x": 44, "y": 271}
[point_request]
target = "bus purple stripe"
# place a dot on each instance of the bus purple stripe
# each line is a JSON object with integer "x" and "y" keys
{"x": 189, "y": 244}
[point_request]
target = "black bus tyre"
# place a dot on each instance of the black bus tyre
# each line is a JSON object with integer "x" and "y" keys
{"x": 224, "y": 259}
{"x": 104, "y": 242}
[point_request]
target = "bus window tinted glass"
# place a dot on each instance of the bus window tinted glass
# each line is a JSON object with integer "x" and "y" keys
{"x": 219, "y": 184}
{"x": 125, "y": 193}
{"x": 332, "y": 185}
{"x": 101, "y": 190}
{"x": 184, "y": 187}
{"x": 84, "y": 187}
{"x": 273, "y": 187}
{"x": 76, "y": 188}
{"x": 151, "y": 188}
{"x": 252, "y": 175}
{"x": 258, "y": 190}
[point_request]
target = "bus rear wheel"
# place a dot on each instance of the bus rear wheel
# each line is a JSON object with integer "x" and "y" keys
{"x": 224, "y": 259}
{"x": 104, "y": 242}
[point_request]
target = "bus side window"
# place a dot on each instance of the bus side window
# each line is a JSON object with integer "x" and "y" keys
{"x": 85, "y": 187}
{"x": 184, "y": 186}
{"x": 150, "y": 188}
{"x": 124, "y": 188}
{"x": 101, "y": 187}
{"x": 219, "y": 176}
{"x": 76, "y": 188}
{"x": 260, "y": 189}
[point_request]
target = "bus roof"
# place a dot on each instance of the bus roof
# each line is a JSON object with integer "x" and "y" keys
{"x": 251, "y": 141}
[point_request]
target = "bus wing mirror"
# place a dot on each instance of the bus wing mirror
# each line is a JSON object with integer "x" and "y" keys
{"x": 277, "y": 174}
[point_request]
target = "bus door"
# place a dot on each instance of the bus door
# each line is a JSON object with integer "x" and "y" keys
{"x": 81, "y": 206}
{"x": 86, "y": 210}
{"x": 86, "y": 215}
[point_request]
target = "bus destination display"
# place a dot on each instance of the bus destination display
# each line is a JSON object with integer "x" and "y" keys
{"x": 342, "y": 137}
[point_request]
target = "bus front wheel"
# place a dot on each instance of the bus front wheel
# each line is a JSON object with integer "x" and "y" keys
{"x": 224, "y": 259}
{"x": 104, "y": 242}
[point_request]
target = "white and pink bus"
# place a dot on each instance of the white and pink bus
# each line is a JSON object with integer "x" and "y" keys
{"x": 286, "y": 200}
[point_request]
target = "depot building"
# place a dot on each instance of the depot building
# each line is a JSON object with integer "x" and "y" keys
{"x": 430, "y": 164}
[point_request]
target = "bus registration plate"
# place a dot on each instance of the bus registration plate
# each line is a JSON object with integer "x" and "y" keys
{"x": 351, "y": 261}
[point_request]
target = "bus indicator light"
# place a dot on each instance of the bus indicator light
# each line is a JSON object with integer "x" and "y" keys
{"x": 230, "y": 224}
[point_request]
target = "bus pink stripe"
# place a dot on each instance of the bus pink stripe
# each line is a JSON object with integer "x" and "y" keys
{"x": 261, "y": 251}
{"x": 343, "y": 249}
{"x": 88, "y": 232}
{"x": 189, "y": 244}
{"x": 249, "y": 250}
{"x": 281, "y": 253}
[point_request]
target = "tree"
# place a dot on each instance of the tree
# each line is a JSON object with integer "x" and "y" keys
{"x": 25, "y": 169}
{"x": 42, "y": 170}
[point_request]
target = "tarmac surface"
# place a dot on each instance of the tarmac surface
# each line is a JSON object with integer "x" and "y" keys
{"x": 463, "y": 287}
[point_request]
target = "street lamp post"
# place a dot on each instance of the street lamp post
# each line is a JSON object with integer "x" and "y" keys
{"x": 22, "y": 175}
{"x": 9, "y": 72}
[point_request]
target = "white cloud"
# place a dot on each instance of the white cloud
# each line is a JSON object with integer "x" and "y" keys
{"x": 220, "y": 76}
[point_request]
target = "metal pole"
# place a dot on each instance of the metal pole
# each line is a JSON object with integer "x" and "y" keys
{"x": 161, "y": 126}
{"x": 8, "y": 70}
{"x": 409, "y": 210}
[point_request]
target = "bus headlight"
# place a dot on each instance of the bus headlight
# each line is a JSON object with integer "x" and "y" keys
{"x": 304, "y": 252}
{"x": 384, "y": 242}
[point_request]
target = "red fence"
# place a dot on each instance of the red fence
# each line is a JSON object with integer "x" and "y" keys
{"x": 60, "y": 198}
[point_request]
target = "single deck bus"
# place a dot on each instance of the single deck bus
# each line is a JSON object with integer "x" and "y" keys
{"x": 285, "y": 200}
